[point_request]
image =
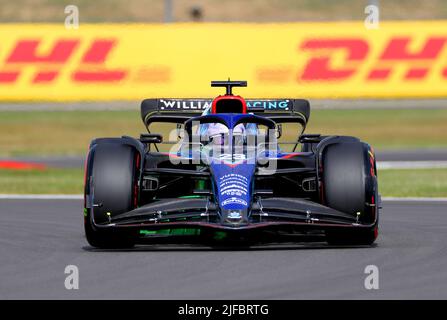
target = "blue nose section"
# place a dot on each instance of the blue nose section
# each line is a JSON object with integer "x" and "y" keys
{"x": 233, "y": 187}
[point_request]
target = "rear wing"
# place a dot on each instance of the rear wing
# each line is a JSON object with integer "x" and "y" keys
{"x": 180, "y": 110}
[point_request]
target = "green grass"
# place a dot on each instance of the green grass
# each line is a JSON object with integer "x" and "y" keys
{"x": 413, "y": 183}
{"x": 46, "y": 133}
{"x": 62, "y": 132}
{"x": 385, "y": 129}
{"x": 49, "y": 181}
{"x": 392, "y": 183}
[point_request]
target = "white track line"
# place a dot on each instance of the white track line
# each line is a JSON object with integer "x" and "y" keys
{"x": 414, "y": 199}
{"x": 385, "y": 165}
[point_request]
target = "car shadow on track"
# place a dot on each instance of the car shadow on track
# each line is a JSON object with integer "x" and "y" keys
{"x": 228, "y": 248}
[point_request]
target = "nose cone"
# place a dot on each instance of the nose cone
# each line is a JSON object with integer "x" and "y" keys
{"x": 233, "y": 183}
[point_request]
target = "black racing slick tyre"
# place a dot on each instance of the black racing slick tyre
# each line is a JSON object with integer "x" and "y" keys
{"x": 349, "y": 185}
{"x": 111, "y": 186}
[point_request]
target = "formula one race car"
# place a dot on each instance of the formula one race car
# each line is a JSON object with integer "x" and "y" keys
{"x": 229, "y": 169}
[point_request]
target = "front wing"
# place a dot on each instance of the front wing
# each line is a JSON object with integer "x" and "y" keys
{"x": 289, "y": 215}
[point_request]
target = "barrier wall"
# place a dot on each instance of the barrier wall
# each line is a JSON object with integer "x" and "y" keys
{"x": 312, "y": 60}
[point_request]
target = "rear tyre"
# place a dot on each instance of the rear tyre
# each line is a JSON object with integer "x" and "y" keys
{"x": 111, "y": 179}
{"x": 350, "y": 186}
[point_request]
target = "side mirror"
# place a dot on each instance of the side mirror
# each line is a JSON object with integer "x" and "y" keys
{"x": 262, "y": 161}
{"x": 179, "y": 131}
{"x": 310, "y": 138}
{"x": 278, "y": 131}
{"x": 151, "y": 138}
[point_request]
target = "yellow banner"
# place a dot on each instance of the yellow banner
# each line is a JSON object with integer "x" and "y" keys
{"x": 295, "y": 60}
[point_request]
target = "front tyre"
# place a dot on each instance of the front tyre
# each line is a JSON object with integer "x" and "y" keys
{"x": 349, "y": 185}
{"x": 111, "y": 187}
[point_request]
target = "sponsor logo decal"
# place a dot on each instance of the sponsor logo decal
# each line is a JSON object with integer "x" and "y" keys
{"x": 177, "y": 104}
{"x": 234, "y": 214}
{"x": 268, "y": 104}
{"x": 403, "y": 57}
{"x": 75, "y": 60}
{"x": 234, "y": 200}
{"x": 234, "y": 188}
{"x": 90, "y": 68}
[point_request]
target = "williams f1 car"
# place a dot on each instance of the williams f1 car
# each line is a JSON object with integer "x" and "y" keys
{"x": 229, "y": 168}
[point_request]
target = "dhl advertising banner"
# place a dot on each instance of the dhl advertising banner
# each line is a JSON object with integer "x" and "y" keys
{"x": 310, "y": 60}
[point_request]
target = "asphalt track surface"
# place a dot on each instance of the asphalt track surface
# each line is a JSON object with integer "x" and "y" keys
{"x": 39, "y": 238}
